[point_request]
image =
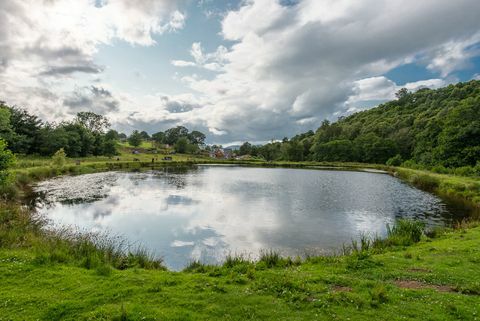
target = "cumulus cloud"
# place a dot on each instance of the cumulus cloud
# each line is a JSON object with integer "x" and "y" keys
{"x": 373, "y": 90}
{"x": 45, "y": 44}
{"x": 282, "y": 68}
{"x": 95, "y": 99}
{"x": 308, "y": 61}
{"x": 211, "y": 61}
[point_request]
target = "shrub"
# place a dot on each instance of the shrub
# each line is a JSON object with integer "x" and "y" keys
{"x": 7, "y": 160}
{"x": 395, "y": 160}
{"x": 59, "y": 158}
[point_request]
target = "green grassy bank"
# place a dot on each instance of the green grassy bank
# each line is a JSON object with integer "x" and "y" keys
{"x": 65, "y": 275}
{"x": 459, "y": 188}
{"x": 435, "y": 279}
{"x": 30, "y": 169}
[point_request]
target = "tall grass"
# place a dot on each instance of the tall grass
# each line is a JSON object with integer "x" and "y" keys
{"x": 20, "y": 228}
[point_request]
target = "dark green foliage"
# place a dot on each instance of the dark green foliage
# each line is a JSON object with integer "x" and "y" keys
{"x": 135, "y": 139}
{"x": 173, "y": 134}
{"x": 395, "y": 160}
{"x": 159, "y": 137}
{"x": 181, "y": 145}
{"x": 27, "y": 134}
{"x": 7, "y": 160}
{"x": 196, "y": 137}
{"x": 428, "y": 127}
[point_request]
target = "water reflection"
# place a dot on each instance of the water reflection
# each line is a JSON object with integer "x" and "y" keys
{"x": 207, "y": 212}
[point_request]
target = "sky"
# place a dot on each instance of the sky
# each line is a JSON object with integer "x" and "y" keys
{"x": 251, "y": 70}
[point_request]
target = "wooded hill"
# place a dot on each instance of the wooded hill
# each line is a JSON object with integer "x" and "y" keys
{"x": 428, "y": 127}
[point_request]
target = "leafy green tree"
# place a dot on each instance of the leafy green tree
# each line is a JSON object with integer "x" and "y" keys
{"x": 173, "y": 134}
{"x": 112, "y": 135}
{"x": 6, "y": 131}
{"x": 7, "y": 160}
{"x": 27, "y": 131}
{"x": 334, "y": 151}
{"x": 197, "y": 138}
{"x": 159, "y": 137}
{"x": 135, "y": 139}
{"x": 93, "y": 122}
{"x": 145, "y": 135}
{"x": 245, "y": 149}
{"x": 181, "y": 145}
{"x": 292, "y": 151}
{"x": 110, "y": 147}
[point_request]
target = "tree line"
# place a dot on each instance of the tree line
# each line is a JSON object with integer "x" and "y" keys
{"x": 429, "y": 127}
{"x": 85, "y": 135}
{"x": 88, "y": 134}
{"x": 179, "y": 137}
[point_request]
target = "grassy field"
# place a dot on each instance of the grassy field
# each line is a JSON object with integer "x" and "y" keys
{"x": 435, "y": 279}
{"x": 60, "y": 275}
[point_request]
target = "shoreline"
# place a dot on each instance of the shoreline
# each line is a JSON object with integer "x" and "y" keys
{"x": 369, "y": 276}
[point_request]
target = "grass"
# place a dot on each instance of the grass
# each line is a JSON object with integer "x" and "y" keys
{"x": 435, "y": 279}
{"x": 66, "y": 275}
{"x": 20, "y": 228}
{"x": 459, "y": 188}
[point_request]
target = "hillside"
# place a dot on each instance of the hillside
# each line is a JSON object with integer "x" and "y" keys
{"x": 428, "y": 127}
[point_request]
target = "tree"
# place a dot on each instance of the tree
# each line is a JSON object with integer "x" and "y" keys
{"x": 197, "y": 138}
{"x": 6, "y": 131}
{"x": 173, "y": 134}
{"x": 112, "y": 135}
{"x": 245, "y": 149}
{"x": 7, "y": 160}
{"x": 135, "y": 139}
{"x": 110, "y": 147}
{"x": 334, "y": 151}
{"x": 145, "y": 135}
{"x": 93, "y": 122}
{"x": 27, "y": 131}
{"x": 292, "y": 151}
{"x": 181, "y": 146}
{"x": 159, "y": 137}
{"x": 402, "y": 93}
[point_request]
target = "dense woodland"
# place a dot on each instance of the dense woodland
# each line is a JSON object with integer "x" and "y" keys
{"x": 429, "y": 127}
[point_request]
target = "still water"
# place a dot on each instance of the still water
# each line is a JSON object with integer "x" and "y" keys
{"x": 207, "y": 212}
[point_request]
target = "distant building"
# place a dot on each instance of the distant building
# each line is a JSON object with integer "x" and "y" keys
{"x": 221, "y": 153}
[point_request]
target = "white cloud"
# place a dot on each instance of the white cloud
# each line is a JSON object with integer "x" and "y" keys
{"x": 211, "y": 61}
{"x": 370, "y": 91}
{"x": 454, "y": 55}
{"x": 49, "y": 46}
{"x": 291, "y": 66}
{"x": 281, "y": 70}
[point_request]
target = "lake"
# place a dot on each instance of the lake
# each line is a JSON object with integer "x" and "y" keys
{"x": 206, "y": 212}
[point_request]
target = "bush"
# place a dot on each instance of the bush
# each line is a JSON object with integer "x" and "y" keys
{"x": 395, "y": 160}
{"x": 59, "y": 158}
{"x": 7, "y": 160}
